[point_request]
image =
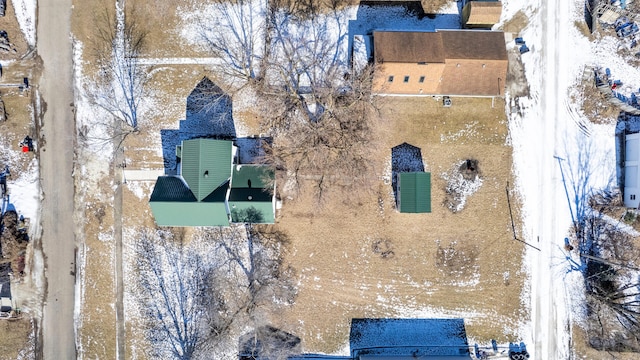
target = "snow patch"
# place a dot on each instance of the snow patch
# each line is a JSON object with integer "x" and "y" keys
{"x": 459, "y": 188}
{"x": 26, "y": 14}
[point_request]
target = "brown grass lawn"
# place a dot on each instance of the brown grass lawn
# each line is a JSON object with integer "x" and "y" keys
{"x": 518, "y": 22}
{"x": 171, "y": 86}
{"x": 9, "y": 23}
{"x": 341, "y": 274}
{"x": 342, "y": 277}
{"x": 17, "y": 339}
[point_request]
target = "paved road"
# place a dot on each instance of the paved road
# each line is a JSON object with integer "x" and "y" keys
{"x": 548, "y": 303}
{"x": 56, "y": 163}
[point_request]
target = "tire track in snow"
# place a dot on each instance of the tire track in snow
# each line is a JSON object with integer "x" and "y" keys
{"x": 580, "y": 122}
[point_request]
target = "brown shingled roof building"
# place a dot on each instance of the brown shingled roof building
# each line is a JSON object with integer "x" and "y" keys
{"x": 446, "y": 62}
{"x": 481, "y": 14}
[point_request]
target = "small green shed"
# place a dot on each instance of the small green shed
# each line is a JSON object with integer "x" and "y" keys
{"x": 414, "y": 192}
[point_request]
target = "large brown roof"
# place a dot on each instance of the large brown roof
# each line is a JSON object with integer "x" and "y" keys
{"x": 410, "y": 47}
{"x": 435, "y": 47}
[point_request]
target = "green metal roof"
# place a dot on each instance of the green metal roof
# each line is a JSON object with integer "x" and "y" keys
{"x": 205, "y": 165}
{"x": 171, "y": 188}
{"x": 259, "y": 176}
{"x": 252, "y": 212}
{"x": 251, "y": 195}
{"x": 414, "y": 192}
{"x": 173, "y": 204}
{"x": 189, "y": 213}
{"x": 199, "y": 196}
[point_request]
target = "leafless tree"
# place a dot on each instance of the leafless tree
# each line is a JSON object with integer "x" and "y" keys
{"x": 267, "y": 342}
{"x": 252, "y": 258}
{"x": 195, "y": 298}
{"x": 609, "y": 261}
{"x": 322, "y": 123}
{"x": 120, "y": 84}
{"x": 318, "y": 110}
{"x": 235, "y": 33}
{"x": 176, "y": 295}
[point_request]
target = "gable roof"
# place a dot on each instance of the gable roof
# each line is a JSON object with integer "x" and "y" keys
{"x": 436, "y": 47}
{"x": 206, "y": 164}
{"x": 411, "y": 47}
{"x": 474, "y": 45}
{"x": 414, "y": 192}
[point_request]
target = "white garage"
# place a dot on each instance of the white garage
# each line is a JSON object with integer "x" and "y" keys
{"x": 631, "y": 168}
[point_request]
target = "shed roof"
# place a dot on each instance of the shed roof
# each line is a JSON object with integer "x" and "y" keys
{"x": 483, "y": 12}
{"x": 436, "y": 47}
{"x": 190, "y": 213}
{"x": 206, "y": 164}
{"x": 414, "y": 192}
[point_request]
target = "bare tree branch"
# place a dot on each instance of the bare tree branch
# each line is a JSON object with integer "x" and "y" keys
{"x": 120, "y": 84}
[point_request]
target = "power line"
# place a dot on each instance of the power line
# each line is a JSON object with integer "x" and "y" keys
{"x": 513, "y": 226}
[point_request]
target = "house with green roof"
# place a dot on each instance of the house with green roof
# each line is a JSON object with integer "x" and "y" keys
{"x": 203, "y": 192}
{"x": 414, "y": 192}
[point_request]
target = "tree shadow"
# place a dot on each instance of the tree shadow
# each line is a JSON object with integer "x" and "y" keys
{"x": 209, "y": 115}
{"x": 251, "y": 149}
{"x": 404, "y": 158}
{"x": 268, "y": 342}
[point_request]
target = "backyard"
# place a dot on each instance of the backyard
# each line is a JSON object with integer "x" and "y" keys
{"x": 352, "y": 253}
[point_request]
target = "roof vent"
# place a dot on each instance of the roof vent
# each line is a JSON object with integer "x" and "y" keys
{"x": 206, "y": 173}
{"x": 250, "y": 197}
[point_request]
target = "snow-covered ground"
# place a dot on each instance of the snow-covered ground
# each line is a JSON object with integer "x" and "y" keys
{"x": 548, "y": 128}
{"x": 26, "y": 15}
{"x": 22, "y": 186}
{"x": 344, "y": 29}
{"x": 544, "y": 126}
